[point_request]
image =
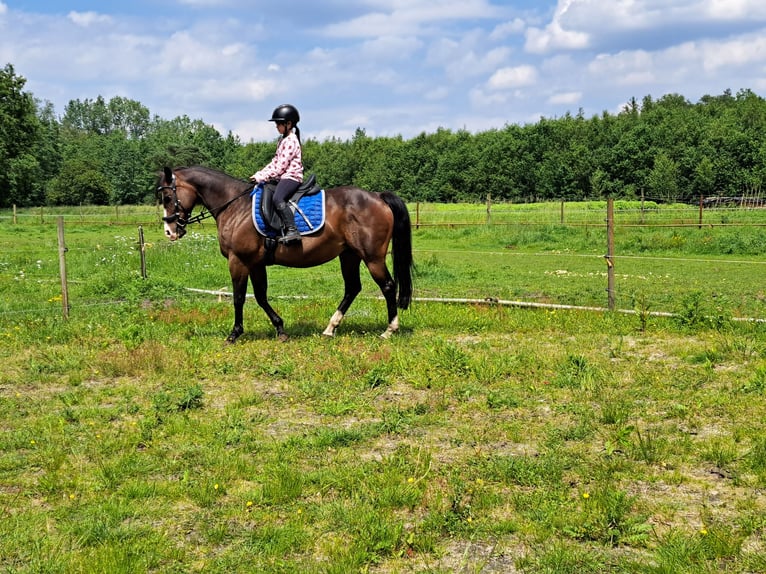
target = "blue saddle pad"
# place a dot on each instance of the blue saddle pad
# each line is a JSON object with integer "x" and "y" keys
{"x": 309, "y": 216}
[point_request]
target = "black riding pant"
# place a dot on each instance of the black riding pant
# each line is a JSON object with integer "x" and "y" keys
{"x": 285, "y": 188}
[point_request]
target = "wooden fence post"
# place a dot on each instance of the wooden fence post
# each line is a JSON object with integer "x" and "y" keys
{"x": 489, "y": 209}
{"x": 610, "y": 253}
{"x": 562, "y": 212}
{"x": 14, "y": 214}
{"x": 417, "y": 215}
{"x": 142, "y": 250}
{"x": 701, "y": 202}
{"x": 62, "y": 268}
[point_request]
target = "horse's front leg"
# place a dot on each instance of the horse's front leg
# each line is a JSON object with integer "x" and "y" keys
{"x": 260, "y": 288}
{"x": 239, "y": 276}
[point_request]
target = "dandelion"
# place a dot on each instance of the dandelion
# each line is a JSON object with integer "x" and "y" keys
{"x": 703, "y": 531}
{"x": 585, "y": 495}
{"x": 479, "y": 482}
{"x": 71, "y": 497}
{"x": 469, "y": 520}
{"x": 249, "y": 503}
{"x": 215, "y": 486}
{"x": 32, "y": 442}
{"x": 410, "y": 480}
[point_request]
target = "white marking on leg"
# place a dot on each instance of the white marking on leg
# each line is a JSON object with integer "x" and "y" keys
{"x": 335, "y": 320}
{"x": 393, "y": 327}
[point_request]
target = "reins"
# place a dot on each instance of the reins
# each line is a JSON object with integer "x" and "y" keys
{"x": 206, "y": 213}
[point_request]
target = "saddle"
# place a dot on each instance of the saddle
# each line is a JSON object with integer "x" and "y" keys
{"x": 269, "y": 215}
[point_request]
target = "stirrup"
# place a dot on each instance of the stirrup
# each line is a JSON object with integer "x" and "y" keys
{"x": 290, "y": 237}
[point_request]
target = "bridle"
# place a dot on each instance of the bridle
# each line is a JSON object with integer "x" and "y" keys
{"x": 181, "y": 217}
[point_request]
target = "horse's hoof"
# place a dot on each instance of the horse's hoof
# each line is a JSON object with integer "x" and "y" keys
{"x": 283, "y": 338}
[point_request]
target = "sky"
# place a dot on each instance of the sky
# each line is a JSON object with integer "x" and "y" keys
{"x": 389, "y": 67}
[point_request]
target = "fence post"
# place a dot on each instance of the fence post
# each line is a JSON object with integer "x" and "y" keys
{"x": 142, "y": 250}
{"x": 62, "y": 268}
{"x": 417, "y": 215}
{"x": 701, "y": 202}
{"x": 489, "y": 209}
{"x": 562, "y": 212}
{"x": 610, "y": 252}
{"x": 14, "y": 214}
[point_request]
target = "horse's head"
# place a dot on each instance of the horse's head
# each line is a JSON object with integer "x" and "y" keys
{"x": 178, "y": 199}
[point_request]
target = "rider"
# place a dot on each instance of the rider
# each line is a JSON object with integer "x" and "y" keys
{"x": 286, "y": 168}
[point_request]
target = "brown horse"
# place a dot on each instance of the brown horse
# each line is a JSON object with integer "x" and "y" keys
{"x": 358, "y": 227}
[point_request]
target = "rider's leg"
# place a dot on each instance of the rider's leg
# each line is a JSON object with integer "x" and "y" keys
{"x": 285, "y": 188}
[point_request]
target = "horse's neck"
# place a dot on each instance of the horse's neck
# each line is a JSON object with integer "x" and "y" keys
{"x": 216, "y": 195}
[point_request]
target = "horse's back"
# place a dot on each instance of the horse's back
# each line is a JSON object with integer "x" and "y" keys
{"x": 352, "y": 201}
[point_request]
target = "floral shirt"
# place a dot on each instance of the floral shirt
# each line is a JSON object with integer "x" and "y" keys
{"x": 287, "y": 162}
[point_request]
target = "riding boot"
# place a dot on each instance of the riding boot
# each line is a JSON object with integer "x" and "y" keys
{"x": 291, "y": 234}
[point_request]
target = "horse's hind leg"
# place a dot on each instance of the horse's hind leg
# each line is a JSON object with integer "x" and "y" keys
{"x": 352, "y": 285}
{"x": 383, "y": 278}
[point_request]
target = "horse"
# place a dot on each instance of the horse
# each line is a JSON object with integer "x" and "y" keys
{"x": 359, "y": 225}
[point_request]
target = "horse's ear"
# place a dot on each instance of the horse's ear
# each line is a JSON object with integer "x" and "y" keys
{"x": 168, "y": 174}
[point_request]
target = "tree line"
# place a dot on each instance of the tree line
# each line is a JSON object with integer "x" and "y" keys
{"x": 668, "y": 149}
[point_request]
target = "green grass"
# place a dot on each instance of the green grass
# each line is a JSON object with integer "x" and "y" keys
{"x": 481, "y": 438}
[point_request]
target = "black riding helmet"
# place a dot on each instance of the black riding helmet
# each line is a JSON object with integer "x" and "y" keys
{"x": 285, "y": 113}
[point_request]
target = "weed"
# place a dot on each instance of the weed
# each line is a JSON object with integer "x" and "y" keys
{"x": 578, "y": 373}
{"x": 178, "y": 399}
{"x": 649, "y": 446}
{"x": 757, "y": 382}
{"x": 606, "y": 515}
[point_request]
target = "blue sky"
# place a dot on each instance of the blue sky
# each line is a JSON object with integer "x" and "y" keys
{"x": 390, "y": 67}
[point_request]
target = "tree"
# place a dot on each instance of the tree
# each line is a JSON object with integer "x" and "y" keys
{"x": 663, "y": 179}
{"x": 19, "y": 134}
{"x": 79, "y": 183}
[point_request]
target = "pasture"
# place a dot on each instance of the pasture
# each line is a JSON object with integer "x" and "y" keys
{"x": 483, "y": 437}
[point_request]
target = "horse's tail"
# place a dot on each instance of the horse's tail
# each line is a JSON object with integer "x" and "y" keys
{"x": 401, "y": 250}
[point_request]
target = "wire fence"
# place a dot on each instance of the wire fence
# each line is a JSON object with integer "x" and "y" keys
{"x": 102, "y": 251}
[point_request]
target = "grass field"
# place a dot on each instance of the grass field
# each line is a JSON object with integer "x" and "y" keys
{"x": 482, "y": 438}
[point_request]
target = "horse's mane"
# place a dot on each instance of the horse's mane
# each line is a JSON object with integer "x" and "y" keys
{"x": 207, "y": 176}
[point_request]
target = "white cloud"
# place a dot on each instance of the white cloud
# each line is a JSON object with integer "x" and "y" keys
{"x": 555, "y": 36}
{"x": 565, "y": 98}
{"x": 506, "y": 29}
{"x": 733, "y": 53}
{"x": 409, "y": 17}
{"x": 391, "y": 47}
{"x": 438, "y": 93}
{"x": 626, "y": 68}
{"x": 87, "y": 19}
{"x": 513, "y": 77}
{"x": 579, "y": 24}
